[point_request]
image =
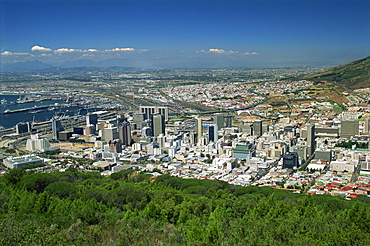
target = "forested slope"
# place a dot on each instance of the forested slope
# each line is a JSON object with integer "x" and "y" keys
{"x": 75, "y": 208}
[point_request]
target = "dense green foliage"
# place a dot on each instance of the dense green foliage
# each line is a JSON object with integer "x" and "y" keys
{"x": 349, "y": 144}
{"x": 74, "y": 208}
{"x": 353, "y": 75}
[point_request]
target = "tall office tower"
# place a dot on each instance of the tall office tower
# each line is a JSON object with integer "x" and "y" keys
{"x": 246, "y": 128}
{"x": 199, "y": 127}
{"x": 257, "y": 128}
{"x": 90, "y": 130}
{"x": 213, "y": 132}
{"x": 290, "y": 160}
{"x": 110, "y": 133}
{"x": 161, "y": 140}
{"x": 158, "y": 125}
{"x": 138, "y": 118}
{"x": 219, "y": 120}
{"x": 193, "y": 137}
{"x": 37, "y": 144}
{"x": 149, "y": 111}
{"x": 228, "y": 121}
{"x": 115, "y": 146}
{"x": 124, "y": 133}
{"x": 367, "y": 125}
{"x": 56, "y": 127}
{"x": 349, "y": 128}
{"x": 23, "y": 127}
{"x": 91, "y": 119}
{"x": 311, "y": 144}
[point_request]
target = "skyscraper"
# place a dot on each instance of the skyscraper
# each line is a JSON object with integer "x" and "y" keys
{"x": 311, "y": 144}
{"x": 124, "y": 133}
{"x": 349, "y": 128}
{"x": 199, "y": 127}
{"x": 257, "y": 128}
{"x": 367, "y": 125}
{"x": 91, "y": 119}
{"x": 56, "y": 127}
{"x": 149, "y": 111}
{"x": 158, "y": 125}
{"x": 219, "y": 120}
{"x": 110, "y": 133}
{"x": 290, "y": 160}
{"x": 213, "y": 132}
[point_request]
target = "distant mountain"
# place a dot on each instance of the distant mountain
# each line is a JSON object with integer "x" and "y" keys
{"x": 24, "y": 66}
{"x": 80, "y": 63}
{"x": 353, "y": 75}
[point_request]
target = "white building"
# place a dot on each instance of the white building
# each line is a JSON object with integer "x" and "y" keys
{"x": 36, "y": 144}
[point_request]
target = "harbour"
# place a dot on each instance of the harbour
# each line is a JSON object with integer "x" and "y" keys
{"x": 43, "y": 110}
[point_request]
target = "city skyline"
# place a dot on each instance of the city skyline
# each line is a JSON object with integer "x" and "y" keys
{"x": 150, "y": 34}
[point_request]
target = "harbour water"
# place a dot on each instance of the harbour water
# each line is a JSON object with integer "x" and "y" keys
{"x": 49, "y": 108}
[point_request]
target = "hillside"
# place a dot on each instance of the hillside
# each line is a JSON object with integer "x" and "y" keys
{"x": 353, "y": 75}
{"x": 73, "y": 208}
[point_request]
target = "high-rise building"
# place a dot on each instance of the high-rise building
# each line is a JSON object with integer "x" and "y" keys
{"x": 91, "y": 119}
{"x": 228, "y": 120}
{"x": 257, "y": 128}
{"x": 90, "y": 130}
{"x": 158, "y": 125}
{"x": 219, "y": 120}
{"x": 115, "y": 146}
{"x": 110, "y": 133}
{"x": 290, "y": 160}
{"x": 149, "y": 111}
{"x": 193, "y": 137}
{"x": 37, "y": 144}
{"x": 138, "y": 118}
{"x": 311, "y": 143}
{"x": 56, "y": 127}
{"x": 213, "y": 132}
{"x": 349, "y": 128}
{"x": 23, "y": 128}
{"x": 199, "y": 127}
{"x": 367, "y": 125}
{"x": 246, "y": 128}
{"x": 124, "y": 133}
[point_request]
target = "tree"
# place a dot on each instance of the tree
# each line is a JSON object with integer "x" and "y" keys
{"x": 14, "y": 175}
{"x": 62, "y": 189}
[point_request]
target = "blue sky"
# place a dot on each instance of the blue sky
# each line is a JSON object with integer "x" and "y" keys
{"x": 286, "y": 32}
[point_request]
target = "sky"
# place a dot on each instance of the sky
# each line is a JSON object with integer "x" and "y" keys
{"x": 160, "y": 33}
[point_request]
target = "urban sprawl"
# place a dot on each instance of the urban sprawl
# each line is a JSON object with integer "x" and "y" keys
{"x": 245, "y": 127}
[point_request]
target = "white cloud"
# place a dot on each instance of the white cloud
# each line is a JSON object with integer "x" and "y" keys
{"x": 39, "y": 48}
{"x": 218, "y": 51}
{"x": 250, "y": 53}
{"x": 8, "y": 53}
{"x": 61, "y": 50}
{"x": 121, "y": 49}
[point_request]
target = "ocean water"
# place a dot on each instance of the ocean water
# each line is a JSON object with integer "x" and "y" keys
{"x": 10, "y": 120}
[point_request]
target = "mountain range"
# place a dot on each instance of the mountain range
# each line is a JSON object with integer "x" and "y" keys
{"x": 353, "y": 75}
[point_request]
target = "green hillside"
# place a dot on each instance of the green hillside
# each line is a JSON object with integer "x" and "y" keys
{"x": 73, "y": 208}
{"x": 353, "y": 75}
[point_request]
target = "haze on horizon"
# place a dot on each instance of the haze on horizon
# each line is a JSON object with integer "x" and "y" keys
{"x": 184, "y": 33}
